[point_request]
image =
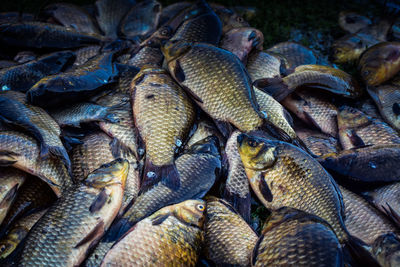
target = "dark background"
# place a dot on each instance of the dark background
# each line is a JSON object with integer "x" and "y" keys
{"x": 276, "y": 18}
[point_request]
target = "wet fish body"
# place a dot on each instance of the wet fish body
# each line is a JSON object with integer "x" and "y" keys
{"x": 387, "y": 98}
{"x": 295, "y": 53}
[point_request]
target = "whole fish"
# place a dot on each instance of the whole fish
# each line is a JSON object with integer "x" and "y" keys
{"x": 23, "y": 77}
{"x": 293, "y": 237}
{"x": 217, "y": 81}
{"x": 84, "y": 112}
{"x": 22, "y": 152}
{"x": 281, "y": 174}
{"x": 71, "y": 16}
{"x": 237, "y": 188}
{"x": 171, "y": 236}
{"x": 44, "y": 35}
{"x": 311, "y": 76}
{"x": 315, "y": 109}
{"x": 10, "y": 181}
{"x": 368, "y": 164}
{"x": 295, "y": 54}
{"x": 380, "y": 63}
{"x": 18, "y": 232}
{"x": 241, "y": 41}
{"x": 387, "y": 98}
{"x": 34, "y": 195}
{"x": 147, "y": 56}
{"x": 73, "y": 84}
{"x": 200, "y": 24}
{"x": 78, "y": 219}
{"x": 228, "y": 238}
{"x": 230, "y": 19}
{"x": 25, "y": 56}
{"x": 141, "y": 20}
{"x": 109, "y": 14}
{"x": 264, "y": 65}
{"x": 86, "y": 53}
{"x": 386, "y": 249}
{"x": 163, "y": 116}
{"x": 386, "y": 199}
{"x": 363, "y": 220}
{"x": 357, "y": 129}
{"x": 38, "y": 123}
{"x": 352, "y": 22}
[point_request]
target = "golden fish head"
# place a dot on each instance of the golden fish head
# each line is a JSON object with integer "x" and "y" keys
{"x": 10, "y": 242}
{"x": 108, "y": 174}
{"x": 191, "y": 211}
{"x": 351, "y": 118}
{"x": 174, "y": 49}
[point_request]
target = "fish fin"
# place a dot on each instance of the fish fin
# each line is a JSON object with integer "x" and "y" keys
{"x": 96, "y": 232}
{"x": 159, "y": 219}
{"x": 276, "y": 131}
{"x": 69, "y": 142}
{"x": 7, "y": 158}
{"x": 358, "y": 251}
{"x": 178, "y": 72}
{"x": 100, "y": 201}
{"x": 299, "y": 143}
{"x": 62, "y": 154}
{"x": 118, "y": 228}
{"x": 390, "y": 212}
{"x": 274, "y": 87}
{"x": 265, "y": 190}
{"x": 109, "y": 116}
{"x": 356, "y": 140}
{"x": 255, "y": 250}
{"x": 224, "y": 127}
{"x": 287, "y": 116}
{"x": 9, "y": 196}
{"x": 115, "y": 146}
{"x": 241, "y": 204}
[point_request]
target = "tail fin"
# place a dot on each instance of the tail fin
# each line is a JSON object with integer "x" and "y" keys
{"x": 242, "y": 205}
{"x": 359, "y": 253}
{"x": 275, "y": 87}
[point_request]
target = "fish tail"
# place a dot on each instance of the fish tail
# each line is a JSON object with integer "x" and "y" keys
{"x": 241, "y": 204}
{"x": 275, "y": 87}
{"x": 391, "y": 213}
{"x": 358, "y": 252}
{"x": 7, "y": 158}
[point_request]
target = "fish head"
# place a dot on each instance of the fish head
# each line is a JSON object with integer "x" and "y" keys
{"x": 349, "y": 117}
{"x": 347, "y": 49}
{"x": 230, "y": 19}
{"x": 191, "y": 212}
{"x": 256, "y": 153}
{"x": 159, "y": 37}
{"x": 108, "y": 174}
{"x": 10, "y": 242}
{"x": 146, "y": 70}
{"x": 175, "y": 49}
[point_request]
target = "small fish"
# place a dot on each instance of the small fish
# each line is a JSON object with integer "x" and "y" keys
{"x": 163, "y": 116}
{"x": 171, "y": 236}
{"x": 78, "y": 219}
{"x": 23, "y": 77}
{"x": 349, "y": 48}
{"x": 353, "y": 22}
{"x": 357, "y": 129}
{"x": 295, "y": 54}
{"x": 293, "y": 237}
{"x": 241, "y": 41}
{"x": 228, "y": 238}
{"x": 368, "y": 164}
{"x": 380, "y": 63}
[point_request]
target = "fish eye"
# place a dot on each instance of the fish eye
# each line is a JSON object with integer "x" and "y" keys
{"x": 164, "y": 32}
{"x": 239, "y": 19}
{"x": 252, "y": 143}
{"x": 200, "y": 207}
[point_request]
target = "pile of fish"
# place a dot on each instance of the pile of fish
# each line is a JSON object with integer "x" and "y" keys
{"x": 133, "y": 134}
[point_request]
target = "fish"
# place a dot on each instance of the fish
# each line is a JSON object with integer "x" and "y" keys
{"x": 141, "y": 20}
{"x": 295, "y": 54}
{"x": 204, "y": 129}
{"x": 369, "y": 108}
{"x": 319, "y": 77}
{"x": 77, "y": 114}
{"x": 363, "y": 220}
{"x": 380, "y": 63}
{"x": 17, "y": 233}
{"x": 292, "y": 237}
{"x": 38, "y": 123}
{"x": 367, "y": 164}
{"x": 21, "y": 151}
{"x": 158, "y": 37}
{"x": 171, "y": 236}
{"x": 109, "y": 14}
{"x": 10, "y": 181}
{"x": 218, "y": 83}
{"x": 315, "y": 109}
{"x": 44, "y": 35}
{"x": 200, "y": 24}
{"x": 163, "y": 116}
{"x": 58, "y": 89}
{"x": 84, "y": 54}
{"x": 353, "y": 22}
{"x": 241, "y": 41}
{"x": 23, "y": 77}
{"x": 230, "y": 19}
{"x": 147, "y": 56}
{"x": 387, "y": 99}
{"x": 386, "y": 250}
{"x": 261, "y": 65}
{"x": 357, "y": 129}
{"x": 71, "y": 16}
{"x": 386, "y": 199}
{"x": 25, "y": 56}
{"x": 237, "y": 189}
{"x": 78, "y": 219}
{"x": 228, "y": 239}
{"x": 33, "y": 195}
{"x": 172, "y": 10}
